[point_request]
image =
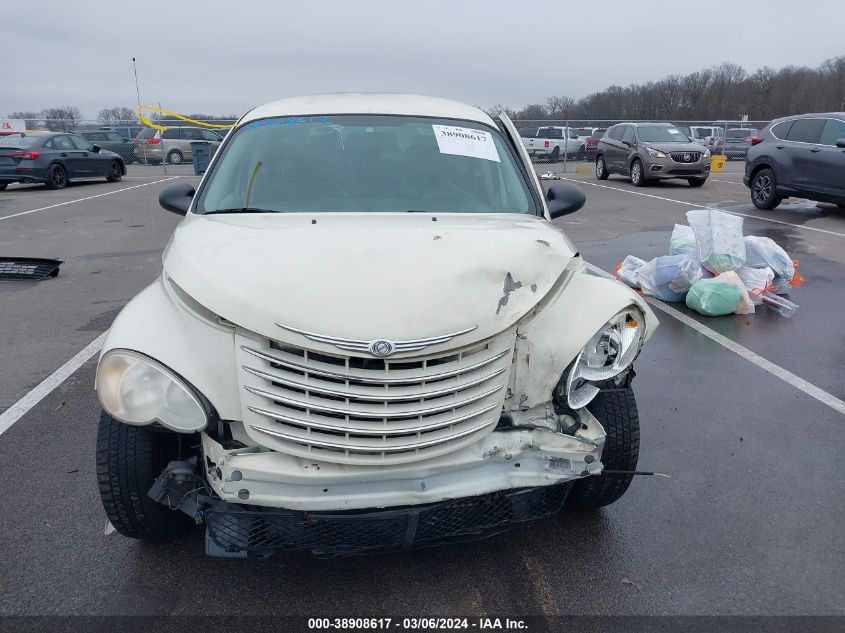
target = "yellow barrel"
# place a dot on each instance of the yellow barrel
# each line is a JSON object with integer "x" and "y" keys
{"x": 717, "y": 163}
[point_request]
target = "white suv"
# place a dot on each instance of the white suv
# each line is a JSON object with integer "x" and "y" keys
{"x": 368, "y": 335}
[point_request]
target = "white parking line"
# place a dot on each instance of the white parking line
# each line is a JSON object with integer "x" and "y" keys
{"x": 22, "y": 406}
{"x": 99, "y": 195}
{"x": 776, "y": 370}
{"x": 699, "y": 205}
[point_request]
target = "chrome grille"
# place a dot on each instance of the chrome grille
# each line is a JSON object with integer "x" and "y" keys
{"x": 685, "y": 157}
{"x": 361, "y": 410}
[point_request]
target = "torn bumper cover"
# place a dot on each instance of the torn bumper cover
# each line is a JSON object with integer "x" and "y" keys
{"x": 264, "y": 502}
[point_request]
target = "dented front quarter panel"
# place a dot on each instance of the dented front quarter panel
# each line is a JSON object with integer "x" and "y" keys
{"x": 550, "y": 338}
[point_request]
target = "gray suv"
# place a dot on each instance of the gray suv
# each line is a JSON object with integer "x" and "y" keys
{"x": 651, "y": 151}
{"x": 798, "y": 156}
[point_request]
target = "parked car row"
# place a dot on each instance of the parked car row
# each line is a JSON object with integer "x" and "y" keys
{"x": 152, "y": 146}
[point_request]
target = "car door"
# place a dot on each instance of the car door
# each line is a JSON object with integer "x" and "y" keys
{"x": 827, "y": 171}
{"x": 628, "y": 146}
{"x": 69, "y": 155}
{"x": 612, "y": 147}
{"x": 801, "y": 146}
{"x": 94, "y": 163}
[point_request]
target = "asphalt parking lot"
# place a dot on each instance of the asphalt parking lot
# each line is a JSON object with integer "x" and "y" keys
{"x": 742, "y": 414}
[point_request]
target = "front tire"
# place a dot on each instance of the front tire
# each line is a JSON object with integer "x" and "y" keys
{"x": 601, "y": 168}
{"x": 56, "y": 177}
{"x": 115, "y": 172}
{"x": 174, "y": 157}
{"x": 764, "y": 190}
{"x": 637, "y": 173}
{"x": 129, "y": 458}
{"x": 696, "y": 182}
{"x": 617, "y": 412}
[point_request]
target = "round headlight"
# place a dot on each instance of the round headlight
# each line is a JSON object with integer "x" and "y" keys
{"x": 137, "y": 390}
{"x": 608, "y": 353}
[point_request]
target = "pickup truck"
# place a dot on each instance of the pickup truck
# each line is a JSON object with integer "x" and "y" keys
{"x": 550, "y": 143}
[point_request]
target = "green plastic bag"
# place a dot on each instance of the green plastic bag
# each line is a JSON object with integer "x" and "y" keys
{"x": 714, "y": 297}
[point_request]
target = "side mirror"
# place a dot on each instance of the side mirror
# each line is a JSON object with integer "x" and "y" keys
{"x": 177, "y": 197}
{"x": 564, "y": 199}
{"x": 840, "y": 143}
{"x": 96, "y": 149}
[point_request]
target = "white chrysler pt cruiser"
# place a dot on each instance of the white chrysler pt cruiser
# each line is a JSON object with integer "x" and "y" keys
{"x": 368, "y": 335}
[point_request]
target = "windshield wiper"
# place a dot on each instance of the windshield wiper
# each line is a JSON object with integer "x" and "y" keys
{"x": 240, "y": 210}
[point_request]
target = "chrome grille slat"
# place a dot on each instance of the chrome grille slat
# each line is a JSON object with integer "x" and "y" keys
{"x": 356, "y": 408}
{"x": 365, "y": 413}
{"x": 386, "y": 430}
{"x": 367, "y": 448}
{"x": 365, "y": 379}
{"x": 360, "y": 395}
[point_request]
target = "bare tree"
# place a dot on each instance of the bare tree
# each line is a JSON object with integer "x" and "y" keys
{"x": 29, "y": 116}
{"x": 62, "y": 119}
{"x": 117, "y": 116}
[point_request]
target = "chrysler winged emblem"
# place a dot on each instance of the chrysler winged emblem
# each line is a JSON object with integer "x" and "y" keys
{"x": 380, "y": 348}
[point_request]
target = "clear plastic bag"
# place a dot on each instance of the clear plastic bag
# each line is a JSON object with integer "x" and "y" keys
{"x": 757, "y": 281}
{"x": 627, "y": 272}
{"x": 719, "y": 236}
{"x": 715, "y": 297}
{"x": 683, "y": 241}
{"x": 669, "y": 277}
{"x": 764, "y": 251}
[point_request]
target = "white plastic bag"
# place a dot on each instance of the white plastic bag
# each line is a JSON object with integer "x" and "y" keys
{"x": 628, "y": 271}
{"x": 669, "y": 277}
{"x": 683, "y": 241}
{"x": 764, "y": 251}
{"x": 757, "y": 281}
{"x": 719, "y": 237}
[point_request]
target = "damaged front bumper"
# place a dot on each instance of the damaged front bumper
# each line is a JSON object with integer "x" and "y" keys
{"x": 264, "y": 502}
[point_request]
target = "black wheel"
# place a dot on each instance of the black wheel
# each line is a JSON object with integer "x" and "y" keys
{"x": 637, "y": 173}
{"x": 129, "y": 458}
{"x": 56, "y": 177}
{"x": 617, "y": 412}
{"x": 174, "y": 157}
{"x": 582, "y": 153}
{"x": 555, "y": 155}
{"x": 3, "y": 185}
{"x": 696, "y": 182}
{"x": 115, "y": 172}
{"x": 764, "y": 190}
{"x": 841, "y": 206}
{"x": 601, "y": 168}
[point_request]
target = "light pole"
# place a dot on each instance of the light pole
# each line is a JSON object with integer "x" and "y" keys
{"x": 138, "y": 95}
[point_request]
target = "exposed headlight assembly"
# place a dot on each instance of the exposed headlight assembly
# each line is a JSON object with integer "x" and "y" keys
{"x": 607, "y": 354}
{"x": 656, "y": 153}
{"x": 137, "y": 390}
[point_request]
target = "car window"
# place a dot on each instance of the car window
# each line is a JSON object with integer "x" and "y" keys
{"x": 833, "y": 130}
{"x": 781, "y": 130}
{"x": 172, "y": 133}
{"x": 147, "y": 132}
{"x": 739, "y": 133}
{"x": 616, "y": 132}
{"x": 572, "y": 134}
{"x": 16, "y": 141}
{"x": 661, "y": 134}
{"x": 60, "y": 142}
{"x": 208, "y": 135}
{"x": 550, "y": 132}
{"x": 628, "y": 136}
{"x": 367, "y": 163}
{"x": 599, "y": 133}
{"x": 81, "y": 143}
{"x": 194, "y": 134}
{"x": 114, "y": 137}
{"x": 806, "y": 131}
{"x": 702, "y": 132}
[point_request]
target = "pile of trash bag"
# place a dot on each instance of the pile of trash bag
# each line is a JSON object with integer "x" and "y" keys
{"x": 715, "y": 269}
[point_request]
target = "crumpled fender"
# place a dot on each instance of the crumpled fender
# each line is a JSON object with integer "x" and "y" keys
{"x": 183, "y": 337}
{"x": 550, "y": 339}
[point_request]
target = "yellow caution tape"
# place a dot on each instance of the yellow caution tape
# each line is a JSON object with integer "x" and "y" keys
{"x": 156, "y": 126}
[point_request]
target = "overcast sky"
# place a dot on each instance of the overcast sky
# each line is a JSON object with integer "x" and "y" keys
{"x": 226, "y": 57}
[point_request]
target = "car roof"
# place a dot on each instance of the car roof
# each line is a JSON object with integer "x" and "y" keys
{"x": 811, "y": 115}
{"x": 369, "y": 103}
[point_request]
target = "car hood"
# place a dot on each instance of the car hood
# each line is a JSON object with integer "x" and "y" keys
{"x": 676, "y": 147}
{"x": 368, "y": 276}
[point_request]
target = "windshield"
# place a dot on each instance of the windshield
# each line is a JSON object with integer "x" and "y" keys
{"x": 737, "y": 133}
{"x": 660, "y": 134}
{"x": 366, "y": 163}
{"x": 18, "y": 141}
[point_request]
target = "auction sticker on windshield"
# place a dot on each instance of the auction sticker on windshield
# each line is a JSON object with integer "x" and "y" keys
{"x": 465, "y": 141}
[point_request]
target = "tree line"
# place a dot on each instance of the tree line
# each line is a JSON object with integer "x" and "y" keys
{"x": 724, "y": 92}
{"x": 63, "y": 118}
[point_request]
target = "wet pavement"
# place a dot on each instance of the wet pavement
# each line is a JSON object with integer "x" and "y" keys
{"x": 750, "y": 521}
